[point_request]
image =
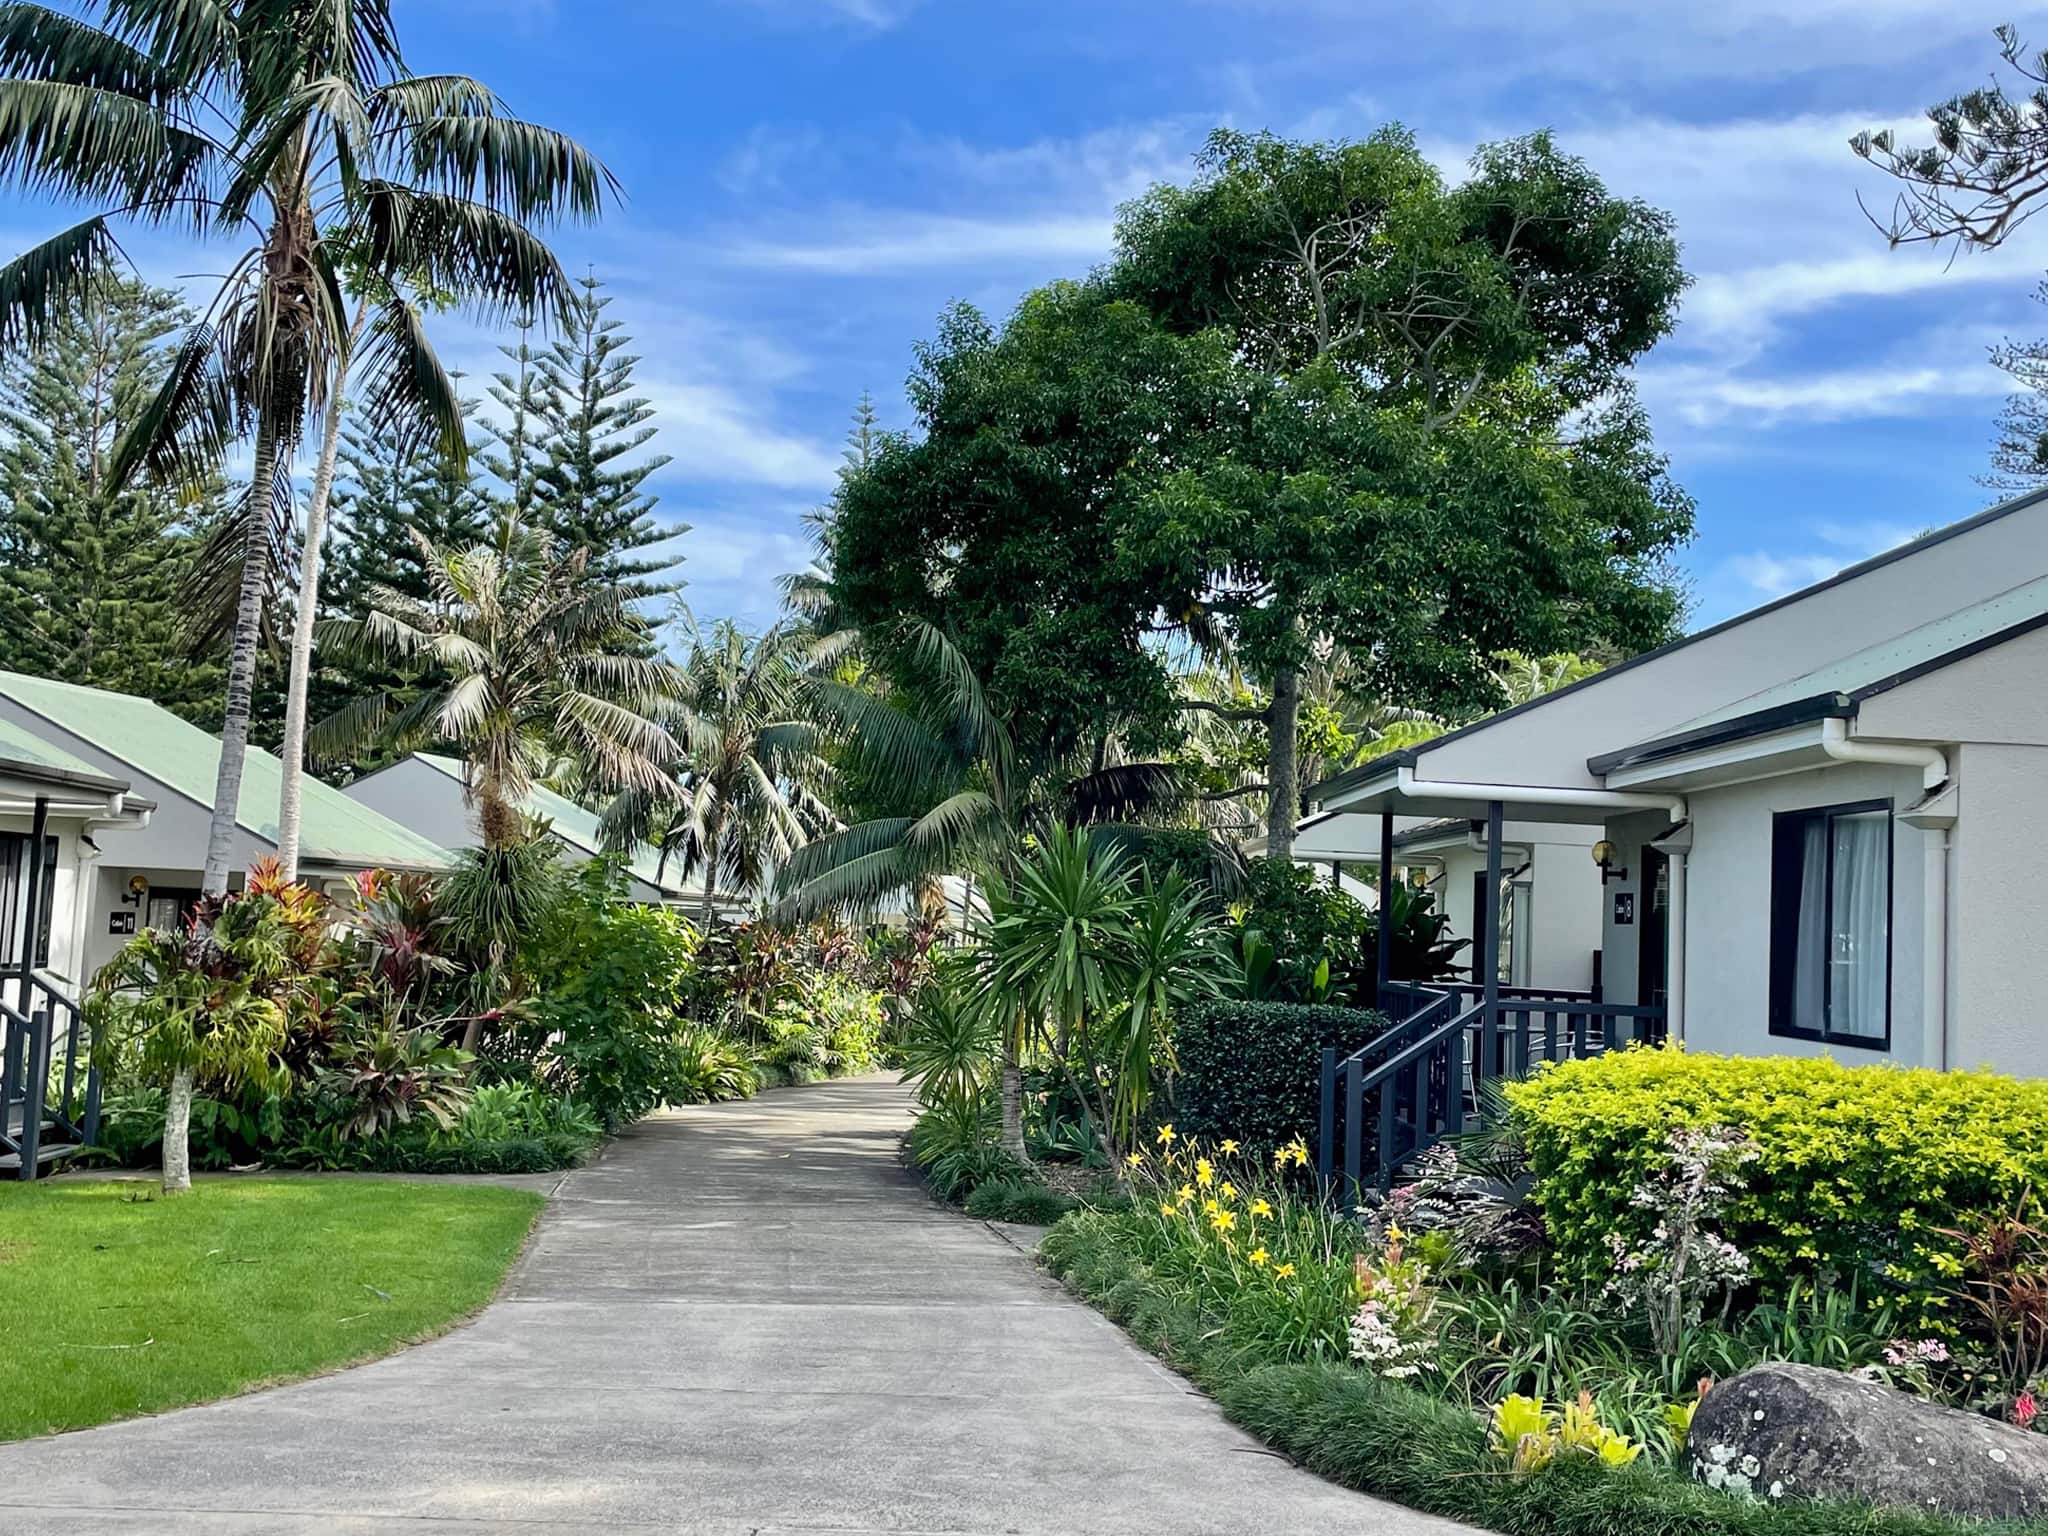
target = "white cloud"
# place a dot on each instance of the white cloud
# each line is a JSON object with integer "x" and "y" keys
{"x": 1709, "y": 397}
{"x": 734, "y": 560}
{"x": 714, "y": 434}
{"x": 1774, "y": 574}
{"x": 766, "y": 156}
{"x": 885, "y": 240}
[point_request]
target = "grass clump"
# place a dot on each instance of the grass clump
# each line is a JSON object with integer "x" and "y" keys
{"x": 1021, "y": 1201}
{"x": 120, "y": 1302}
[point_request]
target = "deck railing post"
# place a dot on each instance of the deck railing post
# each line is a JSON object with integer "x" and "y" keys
{"x": 1487, "y": 961}
{"x": 1354, "y": 1128}
{"x": 34, "y": 1091}
{"x": 1326, "y": 1121}
{"x": 31, "y": 905}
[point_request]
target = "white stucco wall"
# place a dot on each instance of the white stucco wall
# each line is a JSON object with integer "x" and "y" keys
{"x": 1998, "y": 914}
{"x": 1728, "y": 900}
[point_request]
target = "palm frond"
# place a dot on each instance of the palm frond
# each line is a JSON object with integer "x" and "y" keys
{"x": 81, "y": 141}
{"x": 483, "y": 256}
{"x": 46, "y": 281}
{"x": 182, "y": 435}
{"x": 518, "y": 167}
{"x": 402, "y": 388}
{"x": 37, "y": 43}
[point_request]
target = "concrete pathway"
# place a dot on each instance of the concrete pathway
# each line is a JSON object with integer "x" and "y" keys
{"x": 745, "y": 1320}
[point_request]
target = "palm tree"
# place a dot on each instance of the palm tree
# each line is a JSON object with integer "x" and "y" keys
{"x": 299, "y": 128}
{"x": 933, "y": 745}
{"x": 750, "y": 768}
{"x": 524, "y": 651}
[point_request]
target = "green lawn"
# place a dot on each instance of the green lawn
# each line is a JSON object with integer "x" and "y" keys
{"x": 118, "y": 1301}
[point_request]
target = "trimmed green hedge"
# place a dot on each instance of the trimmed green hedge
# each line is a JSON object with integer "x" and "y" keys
{"x": 1385, "y": 1438}
{"x": 1252, "y": 1071}
{"x": 1858, "y": 1168}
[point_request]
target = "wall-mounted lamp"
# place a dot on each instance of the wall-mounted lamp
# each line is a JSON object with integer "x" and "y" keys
{"x": 1603, "y": 855}
{"x": 138, "y": 887}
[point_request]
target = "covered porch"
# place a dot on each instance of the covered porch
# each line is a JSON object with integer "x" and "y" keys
{"x": 49, "y": 1092}
{"x": 1385, "y": 1106}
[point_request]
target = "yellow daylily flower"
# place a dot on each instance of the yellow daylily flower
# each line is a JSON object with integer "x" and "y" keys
{"x": 1136, "y": 1160}
{"x": 1166, "y": 1135}
{"x": 1229, "y": 1147}
{"x": 1283, "y": 1272}
{"x": 1166, "y": 1209}
{"x": 1205, "y": 1172}
{"x": 1258, "y": 1257}
{"x": 1187, "y": 1192}
{"x": 1260, "y": 1208}
{"x": 1229, "y": 1190}
{"x": 1223, "y": 1221}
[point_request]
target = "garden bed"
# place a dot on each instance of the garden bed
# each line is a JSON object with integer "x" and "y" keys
{"x": 120, "y": 1302}
{"x": 1395, "y": 1441}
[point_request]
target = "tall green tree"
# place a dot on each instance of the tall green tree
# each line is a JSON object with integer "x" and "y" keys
{"x": 593, "y": 494}
{"x": 997, "y": 522}
{"x": 518, "y": 450}
{"x": 300, "y": 129}
{"x": 1435, "y": 456}
{"x": 90, "y": 572}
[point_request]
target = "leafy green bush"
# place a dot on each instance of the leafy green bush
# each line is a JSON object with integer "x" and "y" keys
{"x": 1309, "y": 930}
{"x": 1023, "y": 1201}
{"x": 954, "y": 1144}
{"x": 1858, "y": 1170}
{"x": 613, "y": 977}
{"x": 711, "y": 1068}
{"x": 1251, "y": 1071}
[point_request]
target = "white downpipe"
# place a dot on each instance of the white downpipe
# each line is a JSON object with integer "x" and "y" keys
{"x": 1934, "y": 952}
{"x": 1410, "y": 787}
{"x": 1838, "y": 744}
{"x": 1674, "y": 982}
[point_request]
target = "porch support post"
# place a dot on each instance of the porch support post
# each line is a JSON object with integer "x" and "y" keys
{"x": 1674, "y": 947}
{"x": 1489, "y": 945}
{"x": 1386, "y": 929}
{"x": 32, "y": 903}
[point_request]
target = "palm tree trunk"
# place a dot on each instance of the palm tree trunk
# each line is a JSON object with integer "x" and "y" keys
{"x": 234, "y": 748}
{"x": 177, "y": 1135}
{"x": 293, "y": 751}
{"x": 1283, "y": 721}
{"x": 234, "y": 734}
{"x": 710, "y": 886}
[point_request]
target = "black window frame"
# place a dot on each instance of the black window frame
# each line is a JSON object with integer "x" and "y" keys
{"x": 1788, "y": 845}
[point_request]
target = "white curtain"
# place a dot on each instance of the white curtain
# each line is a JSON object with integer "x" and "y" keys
{"x": 1860, "y": 946}
{"x": 1809, "y": 974}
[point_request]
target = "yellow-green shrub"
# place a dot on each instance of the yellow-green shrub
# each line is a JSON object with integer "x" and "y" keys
{"x": 1858, "y": 1168}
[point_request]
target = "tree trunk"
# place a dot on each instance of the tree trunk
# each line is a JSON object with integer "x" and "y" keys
{"x": 177, "y": 1142}
{"x": 1282, "y": 722}
{"x": 1013, "y": 1092}
{"x": 293, "y": 752}
{"x": 710, "y": 887}
{"x": 234, "y": 735}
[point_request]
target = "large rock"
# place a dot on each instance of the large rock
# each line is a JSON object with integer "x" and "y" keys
{"x": 1795, "y": 1431}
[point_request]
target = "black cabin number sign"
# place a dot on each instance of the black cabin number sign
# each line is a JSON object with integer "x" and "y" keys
{"x": 1624, "y": 909}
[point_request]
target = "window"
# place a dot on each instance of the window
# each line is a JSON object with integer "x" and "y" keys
{"x": 1831, "y": 924}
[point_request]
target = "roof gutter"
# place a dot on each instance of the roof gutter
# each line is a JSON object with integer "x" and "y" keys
{"x": 1838, "y": 744}
{"x": 1538, "y": 794}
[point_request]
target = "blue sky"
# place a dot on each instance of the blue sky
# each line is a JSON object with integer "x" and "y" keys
{"x": 810, "y": 181}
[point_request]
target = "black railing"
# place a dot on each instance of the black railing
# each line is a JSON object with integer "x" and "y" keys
{"x": 49, "y": 1091}
{"x": 1384, "y": 1106}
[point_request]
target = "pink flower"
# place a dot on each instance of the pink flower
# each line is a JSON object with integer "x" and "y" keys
{"x": 2025, "y": 1410}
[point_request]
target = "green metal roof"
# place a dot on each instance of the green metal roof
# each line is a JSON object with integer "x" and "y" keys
{"x": 24, "y": 752}
{"x": 182, "y": 757}
{"x": 573, "y": 825}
